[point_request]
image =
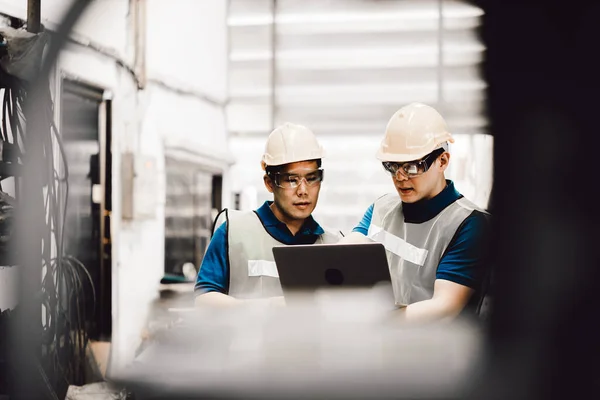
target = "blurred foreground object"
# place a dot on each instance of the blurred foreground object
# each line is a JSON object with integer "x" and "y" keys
{"x": 7, "y": 204}
{"x": 544, "y": 328}
{"x": 96, "y": 391}
{"x": 22, "y": 53}
{"x": 340, "y": 343}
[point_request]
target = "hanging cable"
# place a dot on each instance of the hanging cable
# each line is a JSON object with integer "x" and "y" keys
{"x": 65, "y": 316}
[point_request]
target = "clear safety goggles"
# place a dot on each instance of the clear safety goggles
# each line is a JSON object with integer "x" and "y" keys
{"x": 290, "y": 181}
{"x": 412, "y": 169}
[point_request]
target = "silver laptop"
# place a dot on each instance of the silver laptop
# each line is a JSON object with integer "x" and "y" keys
{"x": 309, "y": 267}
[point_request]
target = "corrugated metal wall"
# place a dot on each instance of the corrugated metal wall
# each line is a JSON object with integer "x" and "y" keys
{"x": 342, "y": 68}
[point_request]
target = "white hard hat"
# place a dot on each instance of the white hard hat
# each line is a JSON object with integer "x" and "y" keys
{"x": 413, "y": 132}
{"x": 290, "y": 143}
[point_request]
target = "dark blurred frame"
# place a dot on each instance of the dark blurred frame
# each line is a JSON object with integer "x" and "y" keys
{"x": 543, "y": 76}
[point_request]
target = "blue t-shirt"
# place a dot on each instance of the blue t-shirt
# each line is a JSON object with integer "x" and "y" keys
{"x": 464, "y": 260}
{"x": 214, "y": 272}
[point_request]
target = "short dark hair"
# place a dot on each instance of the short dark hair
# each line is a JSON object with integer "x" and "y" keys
{"x": 274, "y": 169}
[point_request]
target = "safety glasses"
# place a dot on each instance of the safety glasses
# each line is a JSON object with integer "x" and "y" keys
{"x": 412, "y": 169}
{"x": 290, "y": 181}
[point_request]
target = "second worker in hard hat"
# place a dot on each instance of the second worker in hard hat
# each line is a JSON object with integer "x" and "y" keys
{"x": 238, "y": 265}
{"x": 435, "y": 239}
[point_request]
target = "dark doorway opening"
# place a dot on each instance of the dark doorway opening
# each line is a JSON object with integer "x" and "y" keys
{"x": 86, "y": 129}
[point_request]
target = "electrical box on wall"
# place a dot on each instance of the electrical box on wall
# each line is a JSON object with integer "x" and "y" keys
{"x": 139, "y": 182}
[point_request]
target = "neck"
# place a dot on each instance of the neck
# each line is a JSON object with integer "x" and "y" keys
{"x": 441, "y": 185}
{"x": 293, "y": 225}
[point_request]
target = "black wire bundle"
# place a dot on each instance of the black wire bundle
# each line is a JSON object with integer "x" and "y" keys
{"x": 64, "y": 319}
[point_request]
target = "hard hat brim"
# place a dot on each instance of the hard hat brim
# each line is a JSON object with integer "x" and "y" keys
{"x": 399, "y": 157}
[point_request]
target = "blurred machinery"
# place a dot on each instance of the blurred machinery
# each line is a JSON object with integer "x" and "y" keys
{"x": 35, "y": 181}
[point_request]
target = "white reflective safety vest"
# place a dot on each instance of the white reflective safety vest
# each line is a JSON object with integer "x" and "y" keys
{"x": 252, "y": 270}
{"x": 415, "y": 250}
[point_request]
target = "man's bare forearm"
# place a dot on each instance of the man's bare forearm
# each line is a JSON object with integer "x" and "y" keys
{"x": 216, "y": 299}
{"x": 427, "y": 311}
{"x": 448, "y": 301}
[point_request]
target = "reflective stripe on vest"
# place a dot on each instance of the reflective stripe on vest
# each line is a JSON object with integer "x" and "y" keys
{"x": 398, "y": 246}
{"x": 252, "y": 269}
{"x": 262, "y": 268}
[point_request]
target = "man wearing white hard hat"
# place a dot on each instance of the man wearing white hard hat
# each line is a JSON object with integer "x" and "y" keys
{"x": 435, "y": 239}
{"x": 238, "y": 265}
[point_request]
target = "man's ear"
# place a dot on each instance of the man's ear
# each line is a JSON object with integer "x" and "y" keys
{"x": 268, "y": 183}
{"x": 444, "y": 161}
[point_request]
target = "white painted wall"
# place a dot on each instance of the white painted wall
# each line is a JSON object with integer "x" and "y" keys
{"x": 187, "y": 42}
{"x": 105, "y": 21}
{"x": 187, "y": 48}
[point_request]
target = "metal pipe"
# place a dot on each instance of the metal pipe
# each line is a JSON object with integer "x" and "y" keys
{"x": 34, "y": 16}
{"x": 140, "y": 8}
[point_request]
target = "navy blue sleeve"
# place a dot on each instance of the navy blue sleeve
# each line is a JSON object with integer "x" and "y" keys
{"x": 465, "y": 259}
{"x": 363, "y": 225}
{"x": 213, "y": 274}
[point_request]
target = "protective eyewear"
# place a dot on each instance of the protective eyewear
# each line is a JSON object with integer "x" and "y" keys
{"x": 412, "y": 169}
{"x": 290, "y": 181}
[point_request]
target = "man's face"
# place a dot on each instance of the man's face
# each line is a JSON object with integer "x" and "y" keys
{"x": 425, "y": 186}
{"x": 295, "y": 203}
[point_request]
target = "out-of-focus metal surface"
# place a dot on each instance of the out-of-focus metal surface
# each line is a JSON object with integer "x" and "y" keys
{"x": 336, "y": 344}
